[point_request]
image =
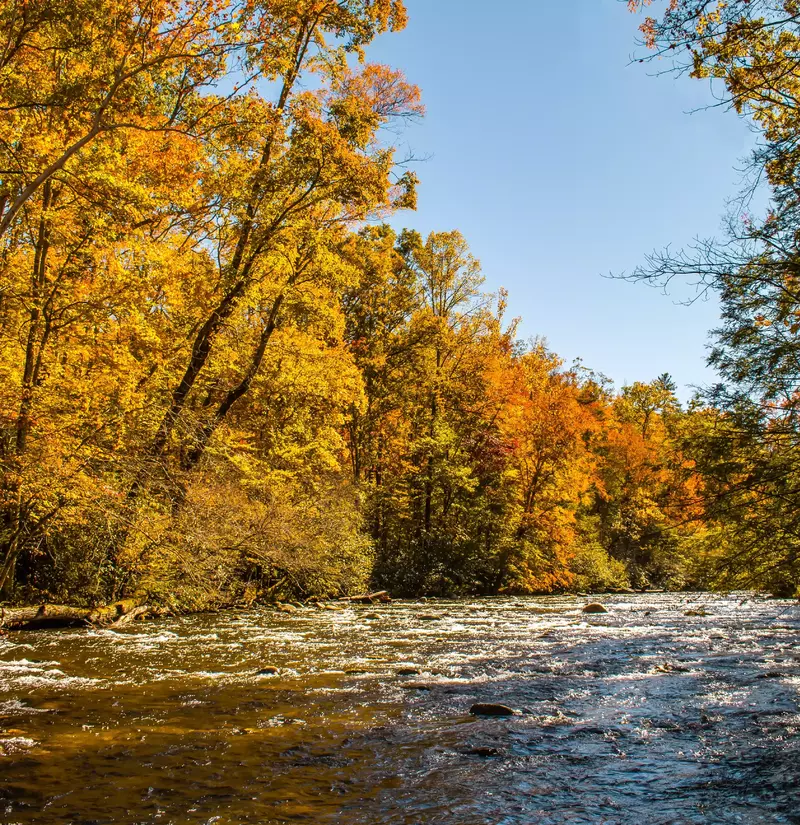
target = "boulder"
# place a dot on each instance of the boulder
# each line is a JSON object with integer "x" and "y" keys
{"x": 267, "y": 671}
{"x": 594, "y": 607}
{"x": 285, "y": 608}
{"x": 490, "y": 709}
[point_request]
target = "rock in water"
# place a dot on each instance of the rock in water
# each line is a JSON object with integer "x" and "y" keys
{"x": 407, "y": 671}
{"x": 267, "y": 671}
{"x": 481, "y": 751}
{"x": 490, "y": 709}
{"x": 594, "y": 607}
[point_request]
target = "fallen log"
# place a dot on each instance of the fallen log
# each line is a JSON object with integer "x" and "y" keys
{"x": 142, "y": 610}
{"x": 51, "y": 616}
{"x": 110, "y": 613}
{"x": 370, "y": 598}
{"x": 43, "y": 617}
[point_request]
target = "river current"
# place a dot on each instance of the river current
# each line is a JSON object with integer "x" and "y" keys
{"x": 667, "y": 709}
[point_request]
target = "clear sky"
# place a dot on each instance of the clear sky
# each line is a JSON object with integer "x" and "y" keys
{"x": 560, "y": 162}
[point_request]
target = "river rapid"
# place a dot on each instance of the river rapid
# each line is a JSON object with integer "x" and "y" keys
{"x": 641, "y": 715}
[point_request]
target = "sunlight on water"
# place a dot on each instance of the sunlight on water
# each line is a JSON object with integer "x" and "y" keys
{"x": 258, "y": 717}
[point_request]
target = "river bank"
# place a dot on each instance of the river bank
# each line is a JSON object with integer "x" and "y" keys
{"x": 47, "y": 616}
{"x": 123, "y": 612}
{"x": 680, "y": 708}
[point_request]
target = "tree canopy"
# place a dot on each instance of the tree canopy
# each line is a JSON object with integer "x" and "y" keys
{"x": 225, "y": 376}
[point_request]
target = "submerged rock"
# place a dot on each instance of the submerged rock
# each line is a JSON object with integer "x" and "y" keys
{"x": 671, "y": 667}
{"x": 428, "y": 617}
{"x": 491, "y": 709}
{"x": 700, "y": 612}
{"x": 407, "y": 671}
{"x": 594, "y": 607}
{"x": 481, "y": 751}
{"x": 588, "y": 730}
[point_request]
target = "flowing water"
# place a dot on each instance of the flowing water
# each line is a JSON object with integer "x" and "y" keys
{"x": 641, "y": 715}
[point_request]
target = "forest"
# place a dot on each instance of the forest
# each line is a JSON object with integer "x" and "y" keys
{"x": 226, "y": 376}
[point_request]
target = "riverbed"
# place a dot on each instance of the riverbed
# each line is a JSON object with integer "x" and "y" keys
{"x": 667, "y": 709}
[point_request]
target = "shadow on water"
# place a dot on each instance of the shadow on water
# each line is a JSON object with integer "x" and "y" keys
{"x": 642, "y": 714}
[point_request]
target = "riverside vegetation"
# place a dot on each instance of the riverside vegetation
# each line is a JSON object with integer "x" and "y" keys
{"x": 224, "y": 378}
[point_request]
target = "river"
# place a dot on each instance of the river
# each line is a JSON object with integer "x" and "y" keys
{"x": 667, "y": 709}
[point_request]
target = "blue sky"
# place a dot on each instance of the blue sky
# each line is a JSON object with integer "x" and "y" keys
{"x": 560, "y": 162}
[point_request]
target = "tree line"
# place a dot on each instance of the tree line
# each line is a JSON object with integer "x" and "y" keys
{"x": 224, "y": 377}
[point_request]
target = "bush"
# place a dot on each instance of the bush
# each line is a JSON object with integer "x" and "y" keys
{"x": 596, "y": 571}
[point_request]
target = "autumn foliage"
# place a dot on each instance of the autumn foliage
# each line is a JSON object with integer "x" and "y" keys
{"x": 223, "y": 377}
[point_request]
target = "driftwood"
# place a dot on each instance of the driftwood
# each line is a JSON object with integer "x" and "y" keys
{"x": 110, "y": 613}
{"x": 371, "y": 598}
{"x": 142, "y": 610}
{"x": 59, "y": 616}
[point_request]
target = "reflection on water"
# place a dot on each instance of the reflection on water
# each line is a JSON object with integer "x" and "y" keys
{"x": 641, "y": 712}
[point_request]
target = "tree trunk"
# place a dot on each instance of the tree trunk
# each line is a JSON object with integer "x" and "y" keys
{"x": 238, "y": 271}
{"x": 235, "y": 393}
